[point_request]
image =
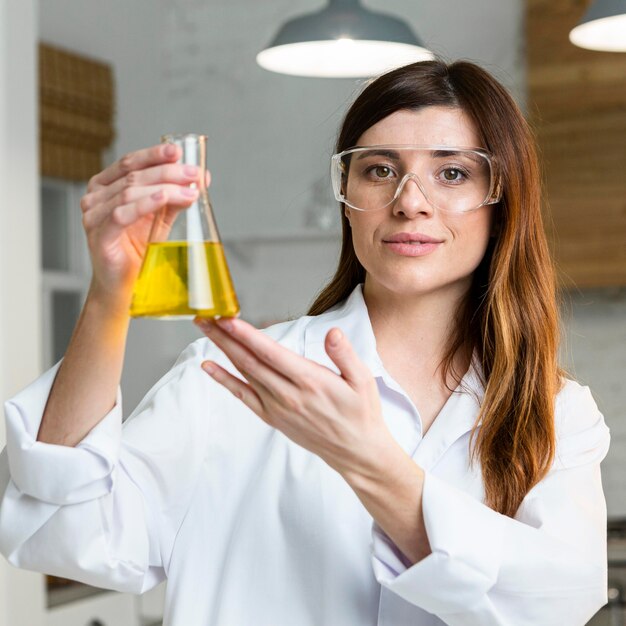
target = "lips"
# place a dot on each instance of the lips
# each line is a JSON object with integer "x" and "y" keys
{"x": 412, "y": 244}
{"x": 411, "y": 238}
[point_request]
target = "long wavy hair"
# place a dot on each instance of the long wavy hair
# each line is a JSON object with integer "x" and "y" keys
{"x": 509, "y": 319}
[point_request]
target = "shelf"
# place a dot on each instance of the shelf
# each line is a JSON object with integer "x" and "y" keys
{"x": 242, "y": 247}
{"x": 286, "y": 237}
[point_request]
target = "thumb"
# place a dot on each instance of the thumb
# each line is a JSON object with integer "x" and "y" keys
{"x": 341, "y": 352}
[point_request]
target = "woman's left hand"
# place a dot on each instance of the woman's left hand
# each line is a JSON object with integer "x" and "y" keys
{"x": 336, "y": 416}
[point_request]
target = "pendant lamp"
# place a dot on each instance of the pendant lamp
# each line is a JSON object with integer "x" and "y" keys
{"x": 603, "y": 27}
{"x": 343, "y": 40}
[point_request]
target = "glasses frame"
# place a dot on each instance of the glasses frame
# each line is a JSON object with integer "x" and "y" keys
{"x": 493, "y": 196}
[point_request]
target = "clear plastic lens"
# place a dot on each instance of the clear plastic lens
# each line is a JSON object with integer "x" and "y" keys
{"x": 451, "y": 179}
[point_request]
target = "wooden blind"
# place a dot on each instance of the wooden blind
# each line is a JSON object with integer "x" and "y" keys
{"x": 76, "y": 100}
{"x": 577, "y": 104}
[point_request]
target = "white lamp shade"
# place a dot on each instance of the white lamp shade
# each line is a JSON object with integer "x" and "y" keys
{"x": 603, "y": 27}
{"x": 341, "y": 58}
{"x": 343, "y": 40}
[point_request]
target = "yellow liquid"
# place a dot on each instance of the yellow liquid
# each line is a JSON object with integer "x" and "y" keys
{"x": 181, "y": 279}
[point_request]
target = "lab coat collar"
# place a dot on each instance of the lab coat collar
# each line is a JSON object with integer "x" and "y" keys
{"x": 352, "y": 318}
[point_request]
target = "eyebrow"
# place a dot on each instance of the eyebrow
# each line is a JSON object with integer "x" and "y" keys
{"x": 395, "y": 155}
{"x": 444, "y": 153}
{"x": 439, "y": 154}
{"x": 392, "y": 154}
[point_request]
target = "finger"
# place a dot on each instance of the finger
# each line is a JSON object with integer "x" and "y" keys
{"x": 267, "y": 349}
{"x": 127, "y": 214}
{"x": 277, "y": 384}
{"x": 133, "y": 161}
{"x": 129, "y": 205}
{"x": 236, "y": 386}
{"x": 341, "y": 352}
{"x": 162, "y": 174}
{"x": 108, "y": 234}
{"x": 119, "y": 221}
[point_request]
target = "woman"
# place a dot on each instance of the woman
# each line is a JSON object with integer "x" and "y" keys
{"x": 419, "y": 457}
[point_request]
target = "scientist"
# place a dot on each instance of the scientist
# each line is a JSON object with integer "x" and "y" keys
{"x": 407, "y": 453}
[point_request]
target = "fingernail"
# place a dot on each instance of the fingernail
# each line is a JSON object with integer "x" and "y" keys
{"x": 170, "y": 150}
{"x": 226, "y": 324}
{"x": 190, "y": 170}
{"x": 201, "y": 321}
{"x": 189, "y": 192}
{"x": 157, "y": 195}
{"x": 209, "y": 368}
{"x": 335, "y": 337}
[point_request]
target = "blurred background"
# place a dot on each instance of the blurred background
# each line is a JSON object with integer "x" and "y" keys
{"x": 82, "y": 82}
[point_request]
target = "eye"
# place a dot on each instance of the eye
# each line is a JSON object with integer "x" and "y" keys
{"x": 380, "y": 172}
{"x": 453, "y": 174}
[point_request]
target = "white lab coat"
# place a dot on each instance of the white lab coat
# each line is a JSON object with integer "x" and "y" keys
{"x": 251, "y": 529}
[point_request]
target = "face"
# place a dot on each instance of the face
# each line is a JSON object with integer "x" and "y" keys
{"x": 452, "y": 245}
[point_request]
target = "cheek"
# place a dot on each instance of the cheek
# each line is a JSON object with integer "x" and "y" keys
{"x": 364, "y": 227}
{"x": 472, "y": 234}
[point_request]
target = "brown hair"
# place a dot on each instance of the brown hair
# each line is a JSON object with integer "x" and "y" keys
{"x": 509, "y": 319}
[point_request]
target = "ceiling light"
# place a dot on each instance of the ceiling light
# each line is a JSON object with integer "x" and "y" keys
{"x": 603, "y": 27}
{"x": 343, "y": 40}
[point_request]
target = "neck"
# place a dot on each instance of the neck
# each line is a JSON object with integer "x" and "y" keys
{"x": 414, "y": 331}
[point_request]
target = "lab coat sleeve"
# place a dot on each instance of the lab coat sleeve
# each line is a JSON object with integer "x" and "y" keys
{"x": 547, "y": 566}
{"x": 106, "y": 511}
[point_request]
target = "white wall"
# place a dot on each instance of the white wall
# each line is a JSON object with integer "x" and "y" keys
{"x": 595, "y": 354}
{"x": 126, "y": 34}
{"x": 21, "y": 593}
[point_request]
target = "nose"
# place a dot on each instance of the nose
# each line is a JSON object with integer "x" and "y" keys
{"x": 411, "y": 198}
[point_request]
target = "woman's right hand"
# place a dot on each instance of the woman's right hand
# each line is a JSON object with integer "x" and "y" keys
{"x": 119, "y": 208}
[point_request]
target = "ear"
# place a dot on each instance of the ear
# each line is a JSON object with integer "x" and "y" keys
{"x": 348, "y": 214}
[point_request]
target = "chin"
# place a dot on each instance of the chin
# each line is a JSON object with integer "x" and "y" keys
{"x": 410, "y": 285}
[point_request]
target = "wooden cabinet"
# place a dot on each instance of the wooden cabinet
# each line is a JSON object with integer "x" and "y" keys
{"x": 577, "y": 105}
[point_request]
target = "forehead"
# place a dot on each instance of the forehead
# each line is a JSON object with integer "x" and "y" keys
{"x": 435, "y": 125}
